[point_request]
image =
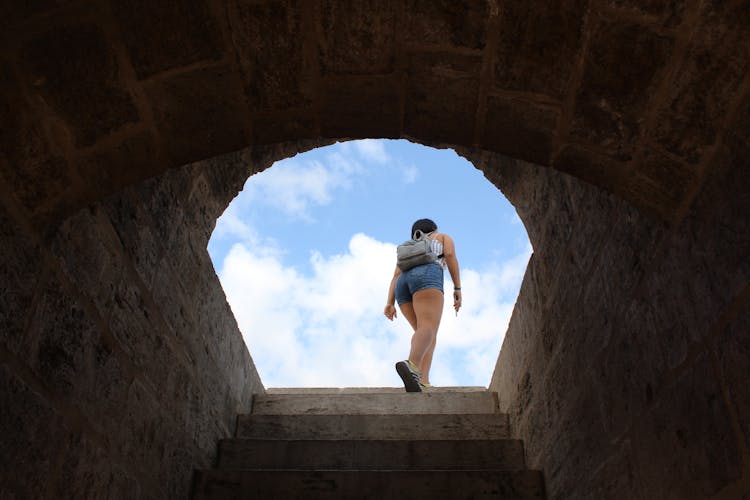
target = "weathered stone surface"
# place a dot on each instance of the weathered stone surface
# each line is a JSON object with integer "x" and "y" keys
{"x": 659, "y": 183}
{"x": 136, "y": 231}
{"x": 665, "y": 12}
{"x": 89, "y": 255}
{"x": 634, "y": 289}
{"x": 733, "y": 346}
{"x": 704, "y": 88}
{"x": 65, "y": 334}
{"x": 520, "y": 129}
{"x": 164, "y": 35}
{"x": 29, "y": 157}
{"x": 614, "y": 93}
{"x": 591, "y": 167}
{"x": 442, "y": 97}
{"x": 265, "y": 33}
{"x": 371, "y": 485}
{"x": 444, "y": 427}
{"x": 362, "y": 107}
{"x": 375, "y": 404}
{"x": 538, "y": 48}
{"x": 460, "y": 24}
{"x": 277, "y": 127}
{"x": 199, "y": 114}
{"x": 344, "y": 454}
{"x": 122, "y": 165}
{"x": 19, "y": 257}
{"x": 687, "y": 449}
{"x": 358, "y": 37}
{"x": 32, "y": 435}
{"x": 75, "y": 71}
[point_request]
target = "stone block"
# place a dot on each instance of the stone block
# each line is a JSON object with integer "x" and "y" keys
{"x": 441, "y": 97}
{"x": 622, "y": 69}
{"x": 590, "y": 167}
{"x": 685, "y": 447}
{"x": 538, "y": 46}
{"x": 705, "y": 87}
{"x": 32, "y": 437}
{"x": 520, "y": 129}
{"x": 66, "y": 335}
{"x": 264, "y": 34}
{"x": 74, "y": 69}
{"x": 124, "y": 164}
{"x": 358, "y": 37}
{"x": 165, "y": 35}
{"x": 361, "y": 107}
{"x": 199, "y": 114}
{"x": 274, "y": 127}
{"x": 459, "y": 24}
{"x": 35, "y": 171}
{"x": 673, "y": 179}
{"x": 13, "y": 16}
{"x": 666, "y": 13}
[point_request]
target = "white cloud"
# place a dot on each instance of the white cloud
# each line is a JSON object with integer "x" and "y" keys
{"x": 372, "y": 150}
{"x": 409, "y": 174}
{"x": 327, "y": 329}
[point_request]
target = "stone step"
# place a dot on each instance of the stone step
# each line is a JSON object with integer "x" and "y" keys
{"x": 368, "y": 485}
{"x": 376, "y": 403}
{"x": 498, "y": 454}
{"x": 367, "y": 390}
{"x": 434, "y": 426}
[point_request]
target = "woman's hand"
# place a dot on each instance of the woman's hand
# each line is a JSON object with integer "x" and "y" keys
{"x": 390, "y": 311}
{"x": 456, "y": 300}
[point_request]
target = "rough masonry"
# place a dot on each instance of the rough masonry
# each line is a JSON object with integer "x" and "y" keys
{"x": 618, "y": 128}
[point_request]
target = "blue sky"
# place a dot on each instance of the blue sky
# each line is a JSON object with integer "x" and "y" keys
{"x": 307, "y": 249}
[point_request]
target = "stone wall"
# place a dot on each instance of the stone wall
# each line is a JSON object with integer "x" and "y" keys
{"x": 625, "y": 367}
{"x": 121, "y": 363}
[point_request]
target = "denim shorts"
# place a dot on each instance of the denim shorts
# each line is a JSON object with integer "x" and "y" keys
{"x": 416, "y": 279}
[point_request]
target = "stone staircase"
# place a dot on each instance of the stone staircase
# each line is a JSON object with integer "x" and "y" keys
{"x": 450, "y": 443}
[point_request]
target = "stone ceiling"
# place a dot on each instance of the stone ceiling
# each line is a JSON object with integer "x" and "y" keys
{"x": 632, "y": 96}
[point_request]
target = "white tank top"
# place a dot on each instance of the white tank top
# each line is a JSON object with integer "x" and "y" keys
{"x": 437, "y": 249}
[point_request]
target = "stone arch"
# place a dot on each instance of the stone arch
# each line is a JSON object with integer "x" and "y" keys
{"x": 110, "y": 109}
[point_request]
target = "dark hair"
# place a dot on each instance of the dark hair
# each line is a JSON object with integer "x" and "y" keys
{"x": 424, "y": 225}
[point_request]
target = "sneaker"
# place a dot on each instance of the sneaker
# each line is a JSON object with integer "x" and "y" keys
{"x": 425, "y": 387}
{"x": 410, "y": 375}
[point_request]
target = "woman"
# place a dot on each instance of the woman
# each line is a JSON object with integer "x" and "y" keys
{"x": 419, "y": 293}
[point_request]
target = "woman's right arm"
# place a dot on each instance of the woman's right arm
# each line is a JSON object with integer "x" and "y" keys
{"x": 390, "y": 308}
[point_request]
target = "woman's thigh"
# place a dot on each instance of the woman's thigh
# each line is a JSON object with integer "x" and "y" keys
{"x": 428, "y": 307}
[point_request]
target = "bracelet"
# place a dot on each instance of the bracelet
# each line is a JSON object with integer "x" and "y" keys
{"x": 457, "y": 289}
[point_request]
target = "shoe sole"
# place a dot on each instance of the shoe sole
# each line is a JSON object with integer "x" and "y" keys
{"x": 410, "y": 384}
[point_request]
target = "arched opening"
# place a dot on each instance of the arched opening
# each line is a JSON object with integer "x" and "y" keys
{"x": 306, "y": 251}
{"x": 624, "y": 368}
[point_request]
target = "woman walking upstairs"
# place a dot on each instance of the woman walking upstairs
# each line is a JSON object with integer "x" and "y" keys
{"x": 419, "y": 293}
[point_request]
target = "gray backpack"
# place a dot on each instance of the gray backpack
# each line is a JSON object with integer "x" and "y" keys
{"x": 415, "y": 252}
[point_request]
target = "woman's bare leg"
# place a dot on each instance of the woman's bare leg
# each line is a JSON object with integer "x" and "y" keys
{"x": 424, "y": 367}
{"x": 407, "y": 309}
{"x": 428, "y": 308}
